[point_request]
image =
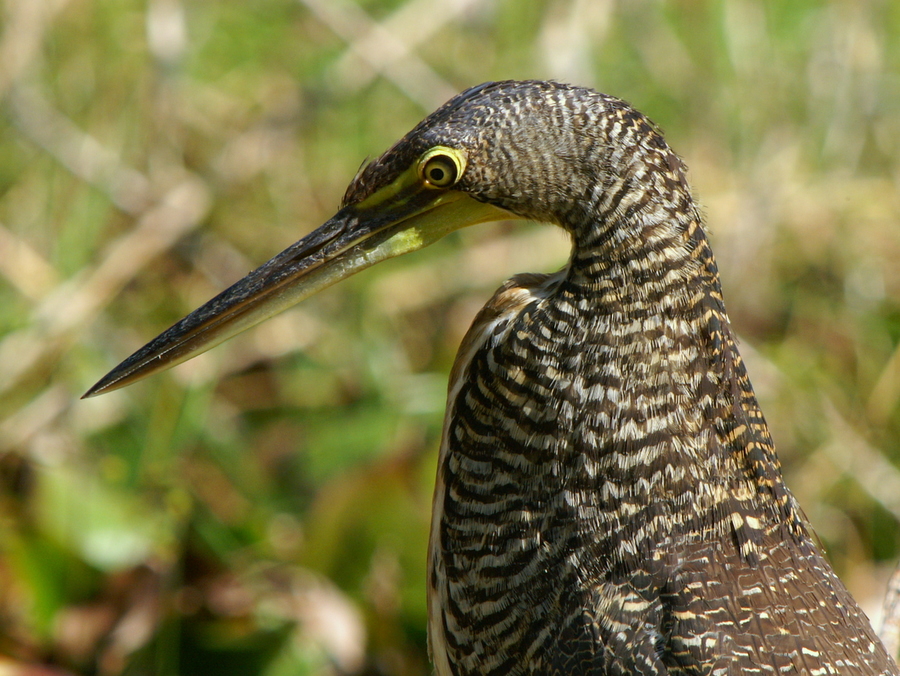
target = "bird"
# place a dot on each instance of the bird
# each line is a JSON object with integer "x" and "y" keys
{"x": 608, "y": 497}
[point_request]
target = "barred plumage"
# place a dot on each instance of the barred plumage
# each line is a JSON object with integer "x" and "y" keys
{"x": 608, "y": 498}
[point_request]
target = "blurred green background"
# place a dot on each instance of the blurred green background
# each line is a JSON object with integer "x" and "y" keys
{"x": 264, "y": 509}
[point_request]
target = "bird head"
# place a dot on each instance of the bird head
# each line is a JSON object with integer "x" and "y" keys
{"x": 497, "y": 151}
{"x": 539, "y": 150}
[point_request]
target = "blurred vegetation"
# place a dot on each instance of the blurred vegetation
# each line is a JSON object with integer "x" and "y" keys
{"x": 264, "y": 509}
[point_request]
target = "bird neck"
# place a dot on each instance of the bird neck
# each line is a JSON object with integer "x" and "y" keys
{"x": 649, "y": 292}
{"x": 644, "y": 261}
{"x": 639, "y": 229}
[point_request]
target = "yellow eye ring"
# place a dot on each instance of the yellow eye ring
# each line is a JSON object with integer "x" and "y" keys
{"x": 441, "y": 167}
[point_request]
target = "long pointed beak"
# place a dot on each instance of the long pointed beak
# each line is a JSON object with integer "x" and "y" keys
{"x": 357, "y": 237}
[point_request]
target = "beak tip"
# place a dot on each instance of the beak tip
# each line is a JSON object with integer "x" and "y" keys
{"x": 98, "y": 388}
{"x": 111, "y": 381}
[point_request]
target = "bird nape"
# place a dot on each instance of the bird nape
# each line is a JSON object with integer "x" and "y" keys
{"x": 608, "y": 497}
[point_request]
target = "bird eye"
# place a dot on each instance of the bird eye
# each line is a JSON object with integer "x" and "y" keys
{"x": 439, "y": 171}
{"x": 440, "y": 167}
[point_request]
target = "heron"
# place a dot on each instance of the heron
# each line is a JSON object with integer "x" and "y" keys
{"x": 608, "y": 497}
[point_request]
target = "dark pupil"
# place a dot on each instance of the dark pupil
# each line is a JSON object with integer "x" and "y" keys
{"x": 437, "y": 174}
